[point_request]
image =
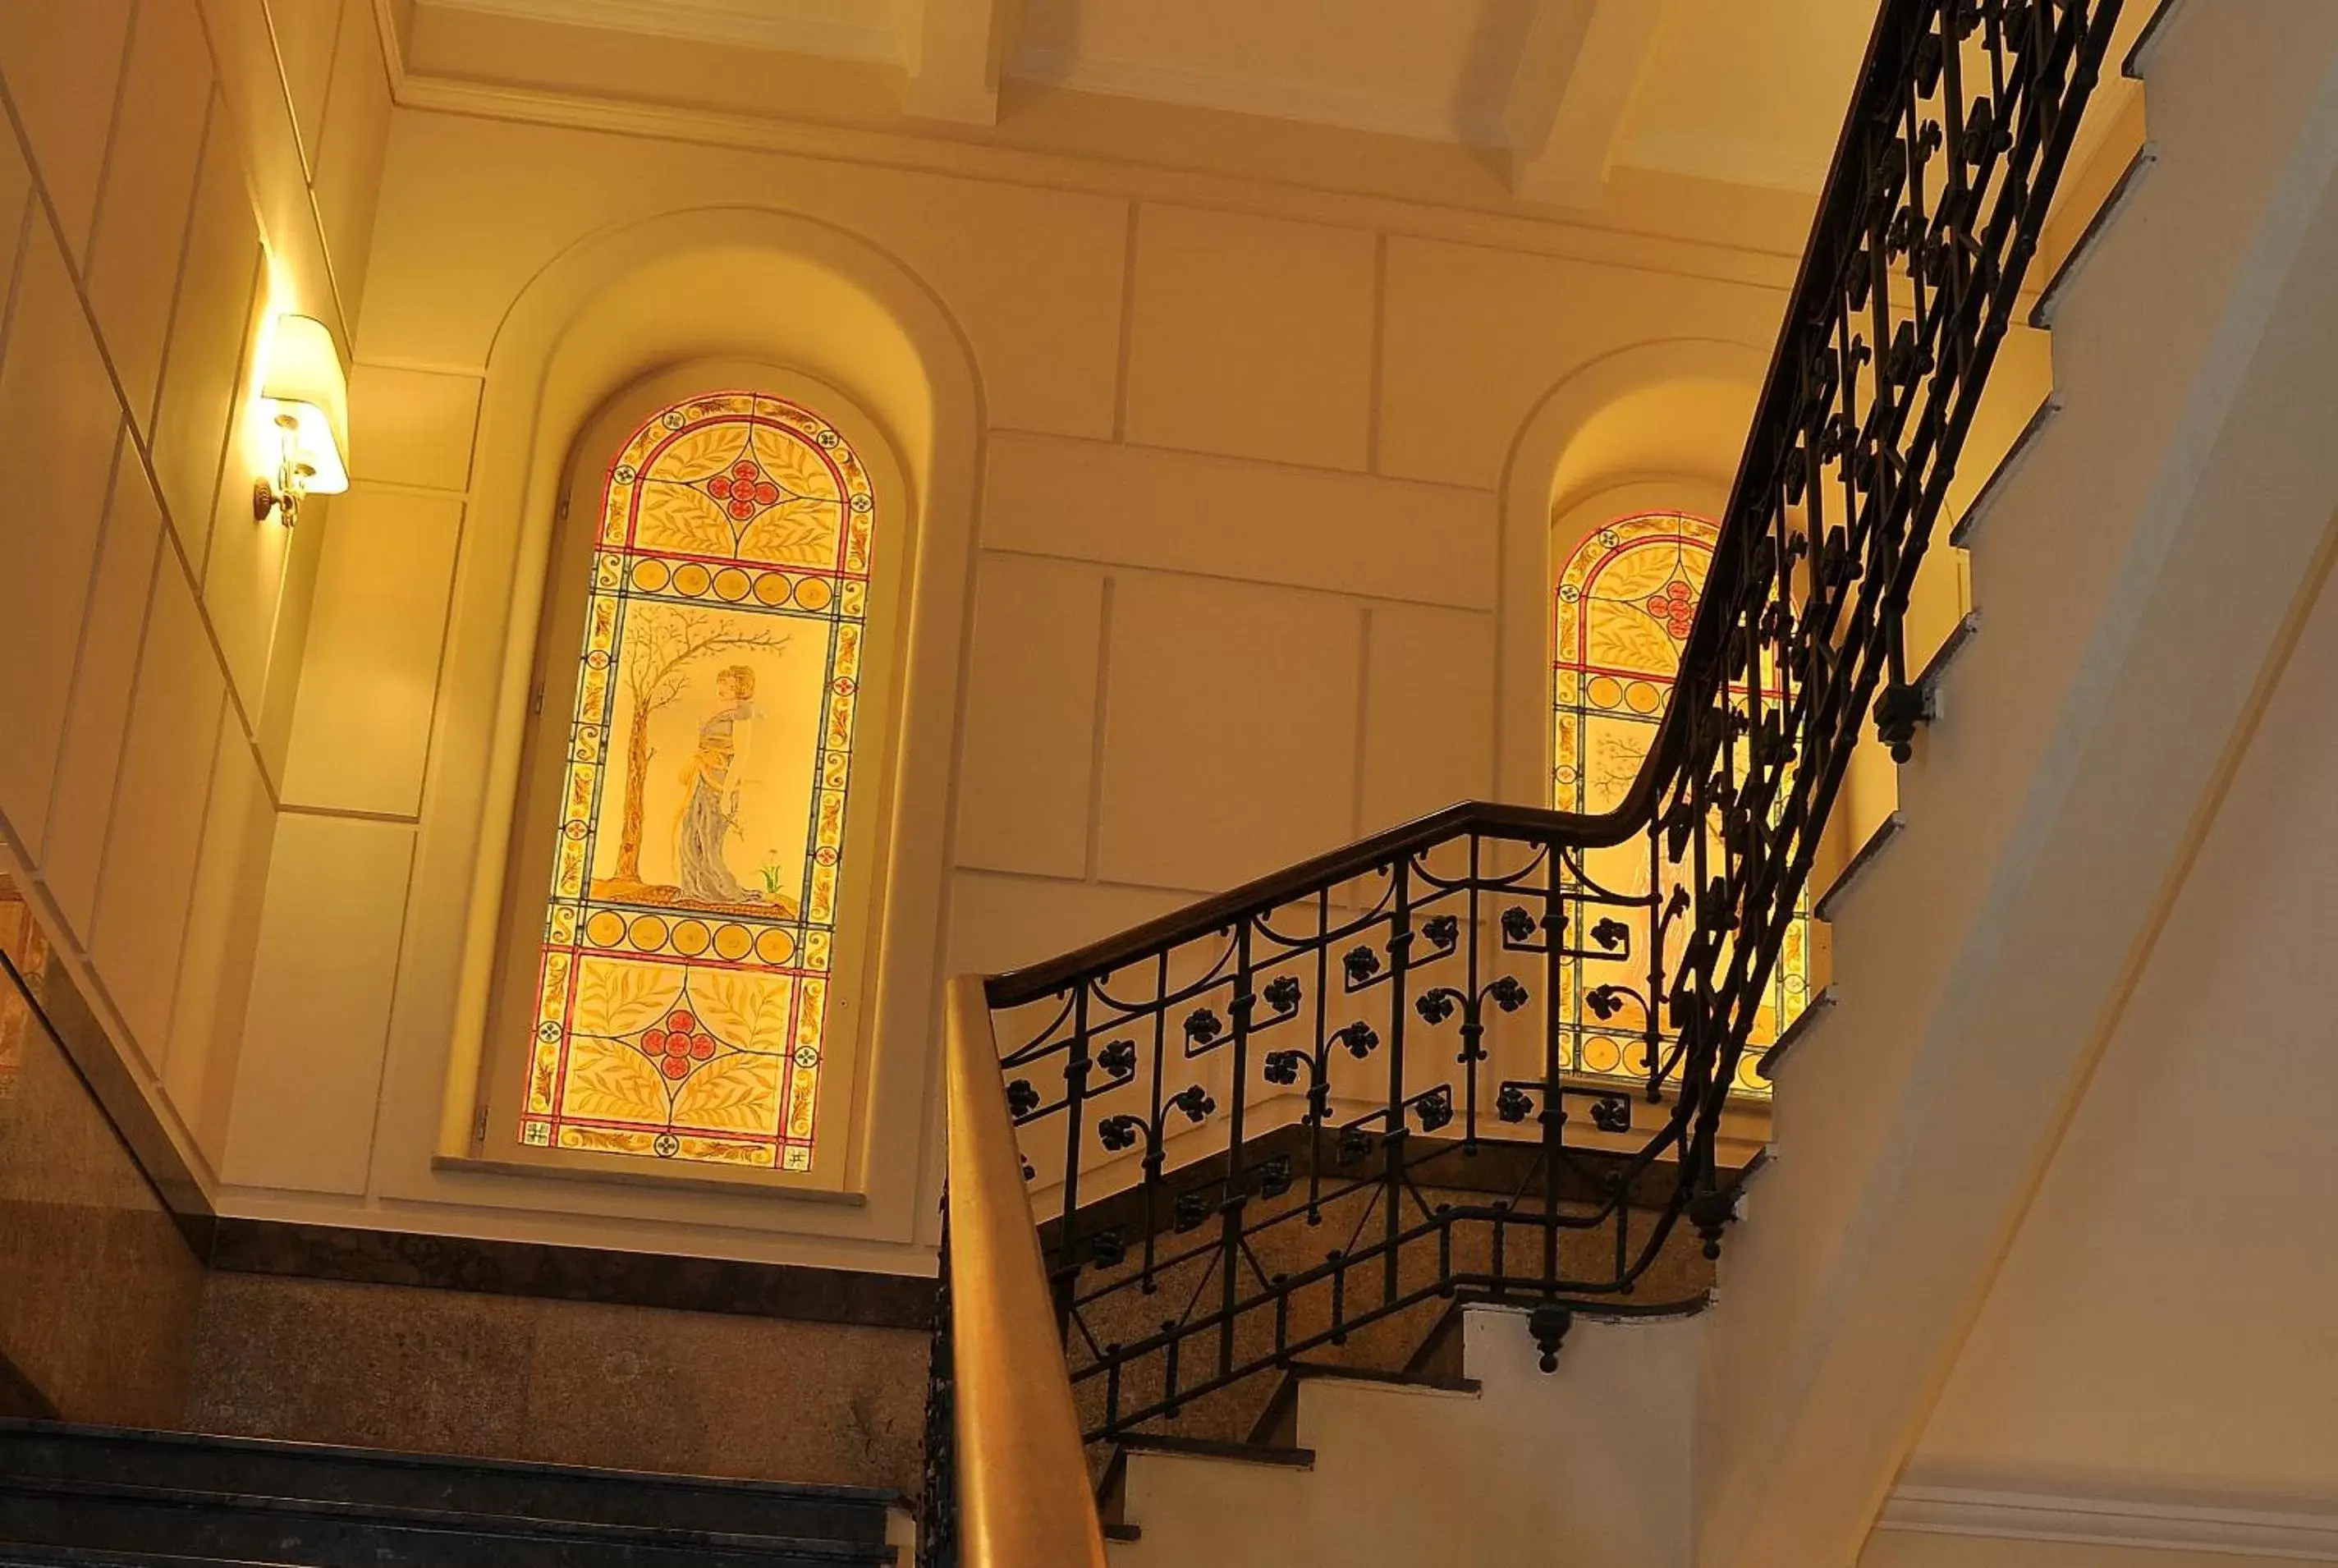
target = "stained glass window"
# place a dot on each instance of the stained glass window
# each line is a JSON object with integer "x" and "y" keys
{"x": 683, "y": 1007}
{"x": 1625, "y": 599}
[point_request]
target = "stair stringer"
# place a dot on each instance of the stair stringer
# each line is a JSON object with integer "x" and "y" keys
{"x": 2127, "y": 645}
{"x": 1587, "y": 1466}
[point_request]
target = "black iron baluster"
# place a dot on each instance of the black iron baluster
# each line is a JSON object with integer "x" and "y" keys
{"x": 1319, "y": 1085}
{"x": 1473, "y": 1022}
{"x": 1395, "y": 1134}
{"x": 1553, "y": 1110}
{"x": 1235, "y": 1197}
{"x": 1652, "y": 1018}
{"x": 938, "y": 1502}
{"x": 1624, "y": 1235}
{"x": 1065, "y": 1274}
{"x": 1150, "y": 1179}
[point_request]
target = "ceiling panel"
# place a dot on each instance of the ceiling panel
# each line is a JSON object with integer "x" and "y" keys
{"x": 1750, "y": 94}
{"x": 1726, "y": 90}
{"x": 1439, "y": 71}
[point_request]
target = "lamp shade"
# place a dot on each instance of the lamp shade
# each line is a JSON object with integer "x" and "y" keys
{"x": 304, "y": 383}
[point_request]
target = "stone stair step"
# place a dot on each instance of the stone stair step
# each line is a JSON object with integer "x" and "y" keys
{"x": 216, "y": 1526}
{"x": 89, "y": 1557}
{"x": 515, "y": 1490}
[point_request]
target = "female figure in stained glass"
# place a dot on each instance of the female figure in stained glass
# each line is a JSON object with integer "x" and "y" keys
{"x": 710, "y": 782}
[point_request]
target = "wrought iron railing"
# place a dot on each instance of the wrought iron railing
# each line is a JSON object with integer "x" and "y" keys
{"x": 1265, "y": 1126}
{"x": 937, "y": 1493}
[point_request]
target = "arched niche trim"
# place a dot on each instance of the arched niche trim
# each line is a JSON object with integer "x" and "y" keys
{"x": 713, "y": 285}
{"x": 1600, "y": 430}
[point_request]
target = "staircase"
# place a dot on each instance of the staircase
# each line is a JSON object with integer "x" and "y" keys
{"x": 2143, "y": 562}
{"x": 101, "y": 1495}
{"x": 1279, "y": 1134}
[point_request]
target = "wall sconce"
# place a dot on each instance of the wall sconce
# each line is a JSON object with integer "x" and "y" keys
{"x": 304, "y": 393}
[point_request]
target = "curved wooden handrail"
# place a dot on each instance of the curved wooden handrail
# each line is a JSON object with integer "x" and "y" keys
{"x": 1023, "y": 1495}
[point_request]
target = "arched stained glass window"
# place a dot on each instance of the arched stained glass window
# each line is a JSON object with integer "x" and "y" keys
{"x": 685, "y": 988}
{"x": 1625, "y": 599}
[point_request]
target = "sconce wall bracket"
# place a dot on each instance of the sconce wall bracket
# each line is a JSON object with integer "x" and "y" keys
{"x": 265, "y": 498}
{"x": 292, "y": 476}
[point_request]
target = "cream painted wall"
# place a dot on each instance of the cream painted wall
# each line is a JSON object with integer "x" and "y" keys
{"x": 1260, "y": 478}
{"x": 1260, "y": 475}
{"x": 1237, "y": 593}
{"x": 172, "y": 170}
{"x": 2088, "y": 1368}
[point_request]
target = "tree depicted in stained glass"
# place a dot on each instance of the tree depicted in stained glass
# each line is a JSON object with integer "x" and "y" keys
{"x": 682, "y": 1003}
{"x": 1626, "y": 601}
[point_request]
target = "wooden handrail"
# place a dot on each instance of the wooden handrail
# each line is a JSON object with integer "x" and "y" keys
{"x": 1022, "y": 1478}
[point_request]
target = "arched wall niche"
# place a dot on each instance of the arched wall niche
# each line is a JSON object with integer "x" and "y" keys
{"x": 838, "y": 1148}
{"x": 716, "y": 286}
{"x": 1659, "y": 429}
{"x": 1653, "y": 427}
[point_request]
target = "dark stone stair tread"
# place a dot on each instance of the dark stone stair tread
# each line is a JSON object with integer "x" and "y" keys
{"x": 328, "y": 1540}
{"x": 13, "y": 1428}
{"x": 519, "y": 1489}
{"x": 452, "y": 1520}
{"x": 16, "y": 1556}
{"x": 215, "y": 1526}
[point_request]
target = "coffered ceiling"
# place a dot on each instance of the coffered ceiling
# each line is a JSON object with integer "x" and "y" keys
{"x": 1566, "y": 89}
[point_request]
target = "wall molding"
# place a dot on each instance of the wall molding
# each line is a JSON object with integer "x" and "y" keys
{"x": 1350, "y": 203}
{"x": 2300, "y": 1534}
{"x": 355, "y": 1255}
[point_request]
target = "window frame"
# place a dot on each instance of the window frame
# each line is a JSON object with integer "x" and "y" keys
{"x": 857, "y": 970}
